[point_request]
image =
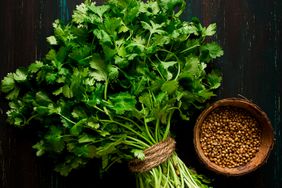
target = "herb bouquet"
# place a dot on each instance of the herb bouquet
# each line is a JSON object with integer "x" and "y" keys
{"x": 115, "y": 80}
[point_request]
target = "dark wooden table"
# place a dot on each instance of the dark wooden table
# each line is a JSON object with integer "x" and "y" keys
{"x": 250, "y": 34}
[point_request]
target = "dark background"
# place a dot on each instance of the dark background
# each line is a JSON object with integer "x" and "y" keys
{"x": 249, "y": 32}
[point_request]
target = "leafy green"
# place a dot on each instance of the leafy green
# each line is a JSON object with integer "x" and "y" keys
{"x": 8, "y": 83}
{"x": 110, "y": 85}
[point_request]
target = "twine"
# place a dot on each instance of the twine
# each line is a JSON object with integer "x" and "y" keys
{"x": 154, "y": 156}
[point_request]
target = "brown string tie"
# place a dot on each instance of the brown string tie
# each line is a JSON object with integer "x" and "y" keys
{"x": 154, "y": 156}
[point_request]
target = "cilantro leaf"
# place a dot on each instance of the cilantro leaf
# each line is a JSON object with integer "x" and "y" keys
{"x": 8, "y": 83}
{"x": 170, "y": 86}
{"x": 34, "y": 67}
{"x": 214, "y": 79}
{"x": 213, "y": 49}
{"x": 52, "y": 40}
{"x": 20, "y": 75}
{"x": 210, "y": 30}
{"x": 122, "y": 102}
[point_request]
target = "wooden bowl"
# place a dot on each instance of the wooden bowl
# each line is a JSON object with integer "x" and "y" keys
{"x": 267, "y": 137}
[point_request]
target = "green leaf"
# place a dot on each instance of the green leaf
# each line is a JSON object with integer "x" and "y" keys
{"x": 113, "y": 72}
{"x": 145, "y": 99}
{"x": 67, "y": 92}
{"x": 71, "y": 162}
{"x": 78, "y": 127}
{"x": 93, "y": 125}
{"x": 86, "y": 139}
{"x": 138, "y": 85}
{"x": 210, "y": 30}
{"x": 79, "y": 112}
{"x": 87, "y": 151}
{"x": 103, "y": 133}
{"x": 110, "y": 147}
{"x": 42, "y": 98}
{"x": 81, "y": 53}
{"x": 8, "y": 83}
{"x": 41, "y": 110}
{"x": 170, "y": 5}
{"x": 213, "y": 49}
{"x": 122, "y": 102}
{"x": 149, "y": 8}
{"x": 99, "y": 66}
{"x": 51, "y": 55}
{"x": 35, "y": 67}
{"x": 20, "y": 75}
{"x": 139, "y": 154}
{"x": 113, "y": 25}
{"x": 103, "y": 36}
{"x": 153, "y": 27}
{"x": 170, "y": 86}
{"x": 54, "y": 139}
{"x": 13, "y": 94}
{"x": 108, "y": 52}
{"x": 58, "y": 91}
{"x": 192, "y": 68}
{"x": 51, "y": 77}
{"x": 52, "y": 40}
{"x": 39, "y": 146}
{"x": 191, "y": 45}
{"x": 205, "y": 95}
{"x": 214, "y": 79}
{"x": 80, "y": 14}
{"x": 99, "y": 10}
{"x": 167, "y": 64}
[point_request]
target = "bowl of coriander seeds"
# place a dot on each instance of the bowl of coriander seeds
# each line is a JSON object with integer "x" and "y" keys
{"x": 233, "y": 137}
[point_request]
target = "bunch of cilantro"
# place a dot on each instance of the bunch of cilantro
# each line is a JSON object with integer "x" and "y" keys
{"x": 115, "y": 79}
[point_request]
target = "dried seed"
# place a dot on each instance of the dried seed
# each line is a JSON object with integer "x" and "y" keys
{"x": 230, "y": 137}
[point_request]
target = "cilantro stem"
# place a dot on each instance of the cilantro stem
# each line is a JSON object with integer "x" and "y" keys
{"x": 130, "y": 129}
{"x": 130, "y": 143}
{"x": 130, "y": 120}
{"x": 167, "y": 130}
{"x": 177, "y": 60}
{"x": 30, "y": 118}
{"x": 140, "y": 184}
{"x": 139, "y": 141}
{"x": 191, "y": 47}
{"x": 157, "y": 134}
{"x": 106, "y": 89}
{"x": 66, "y": 118}
{"x": 148, "y": 132}
{"x": 155, "y": 177}
{"x": 160, "y": 175}
{"x": 105, "y": 111}
{"x": 148, "y": 42}
{"x": 157, "y": 67}
{"x": 167, "y": 175}
{"x": 176, "y": 181}
{"x": 168, "y": 53}
{"x": 99, "y": 109}
{"x": 178, "y": 70}
{"x": 146, "y": 125}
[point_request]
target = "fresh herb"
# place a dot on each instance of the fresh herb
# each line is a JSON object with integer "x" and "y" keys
{"x": 116, "y": 78}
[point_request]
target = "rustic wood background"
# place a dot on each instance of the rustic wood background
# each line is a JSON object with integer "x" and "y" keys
{"x": 250, "y": 34}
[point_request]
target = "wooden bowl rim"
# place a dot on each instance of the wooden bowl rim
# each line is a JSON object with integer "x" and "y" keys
{"x": 236, "y": 102}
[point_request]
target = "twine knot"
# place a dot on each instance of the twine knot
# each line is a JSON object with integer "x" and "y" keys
{"x": 154, "y": 156}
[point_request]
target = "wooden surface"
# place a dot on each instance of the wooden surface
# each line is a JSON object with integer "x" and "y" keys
{"x": 250, "y": 34}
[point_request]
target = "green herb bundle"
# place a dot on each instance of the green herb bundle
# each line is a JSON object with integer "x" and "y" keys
{"x": 115, "y": 80}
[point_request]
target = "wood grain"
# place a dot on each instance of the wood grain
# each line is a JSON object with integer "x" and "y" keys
{"x": 250, "y": 33}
